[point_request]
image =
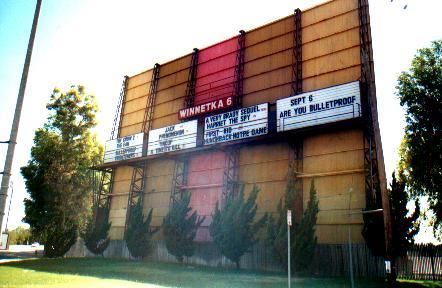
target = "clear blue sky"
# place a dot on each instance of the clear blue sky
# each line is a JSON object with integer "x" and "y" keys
{"x": 96, "y": 43}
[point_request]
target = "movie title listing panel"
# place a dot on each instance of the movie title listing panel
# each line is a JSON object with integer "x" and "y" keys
{"x": 172, "y": 138}
{"x": 327, "y": 105}
{"x": 124, "y": 148}
{"x": 237, "y": 124}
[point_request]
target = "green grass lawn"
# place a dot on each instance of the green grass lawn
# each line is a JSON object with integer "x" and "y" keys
{"x": 83, "y": 272}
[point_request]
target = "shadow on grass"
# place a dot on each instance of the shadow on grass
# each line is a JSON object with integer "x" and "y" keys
{"x": 166, "y": 274}
{"x": 422, "y": 284}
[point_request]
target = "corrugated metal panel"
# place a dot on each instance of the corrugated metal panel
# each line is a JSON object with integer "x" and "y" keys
{"x": 274, "y": 29}
{"x": 270, "y": 95}
{"x": 137, "y": 91}
{"x": 158, "y": 188}
{"x": 270, "y": 46}
{"x": 139, "y": 79}
{"x": 330, "y": 26}
{"x": 331, "y": 62}
{"x": 332, "y": 78}
{"x": 216, "y": 71}
{"x": 335, "y": 152}
{"x": 168, "y": 108}
{"x": 171, "y": 80}
{"x": 205, "y": 168}
{"x": 130, "y": 129}
{"x": 116, "y": 233}
{"x": 133, "y": 118}
{"x": 339, "y": 161}
{"x": 269, "y": 194}
{"x": 331, "y": 44}
{"x": 175, "y": 65}
{"x": 338, "y": 234}
{"x": 266, "y": 166}
{"x": 135, "y": 105}
{"x": 269, "y": 79}
{"x": 171, "y": 119}
{"x": 123, "y": 173}
{"x": 333, "y": 142}
{"x": 171, "y": 93}
{"x": 327, "y": 10}
{"x": 268, "y": 63}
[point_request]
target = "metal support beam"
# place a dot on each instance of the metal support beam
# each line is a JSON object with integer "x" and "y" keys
{"x": 296, "y": 146}
{"x": 101, "y": 199}
{"x": 119, "y": 111}
{"x": 297, "y": 54}
{"x": 179, "y": 179}
{"x": 239, "y": 69}
{"x": 374, "y": 159}
{"x": 191, "y": 82}
{"x": 231, "y": 172}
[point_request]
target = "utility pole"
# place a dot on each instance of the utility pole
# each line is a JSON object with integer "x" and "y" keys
{"x": 16, "y": 121}
{"x": 289, "y": 223}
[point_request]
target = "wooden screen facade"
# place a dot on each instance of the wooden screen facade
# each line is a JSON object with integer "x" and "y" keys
{"x": 332, "y": 156}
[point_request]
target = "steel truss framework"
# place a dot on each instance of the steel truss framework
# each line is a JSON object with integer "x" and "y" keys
{"x": 138, "y": 181}
{"x": 231, "y": 165}
{"x": 375, "y": 180}
{"x": 179, "y": 178}
{"x": 191, "y": 81}
{"x": 367, "y": 77}
{"x": 102, "y": 193}
{"x": 296, "y": 147}
{"x": 297, "y": 53}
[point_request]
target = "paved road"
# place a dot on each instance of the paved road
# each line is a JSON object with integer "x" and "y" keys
{"x": 17, "y": 252}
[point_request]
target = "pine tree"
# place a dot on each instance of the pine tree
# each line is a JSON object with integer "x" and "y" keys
{"x": 404, "y": 227}
{"x": 305, "y": 239}
{"x": 139, "y": 233}
{"x": 233, "y": 228}
{"x": 302, "y": 234}
{"x": 96, "y": 234}
{"x": 277, "y": 227}
{"x": 180, "y": 229}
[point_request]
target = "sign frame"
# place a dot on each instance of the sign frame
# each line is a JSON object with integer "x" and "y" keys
{"x": 328, "y": 105}
{"x": 127, "y": 147}
{"x": 236, "y": 124}
{"x": 171, "y": 139}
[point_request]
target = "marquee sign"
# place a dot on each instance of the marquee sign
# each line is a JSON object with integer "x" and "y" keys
{"x": 205, "y": 108}
{"x": 327, "y": 105}
{"x": 127, "y": 147}
{"x": 172, "y": 138}
{"x": 236, "y": 124}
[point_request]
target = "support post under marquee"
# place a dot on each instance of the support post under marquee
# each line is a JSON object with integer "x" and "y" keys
{"x": 101, "y": 194}
{"x": 179, "y": 179}
{"x": 231, "y": 172}
{"x": 138, "y": 181}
